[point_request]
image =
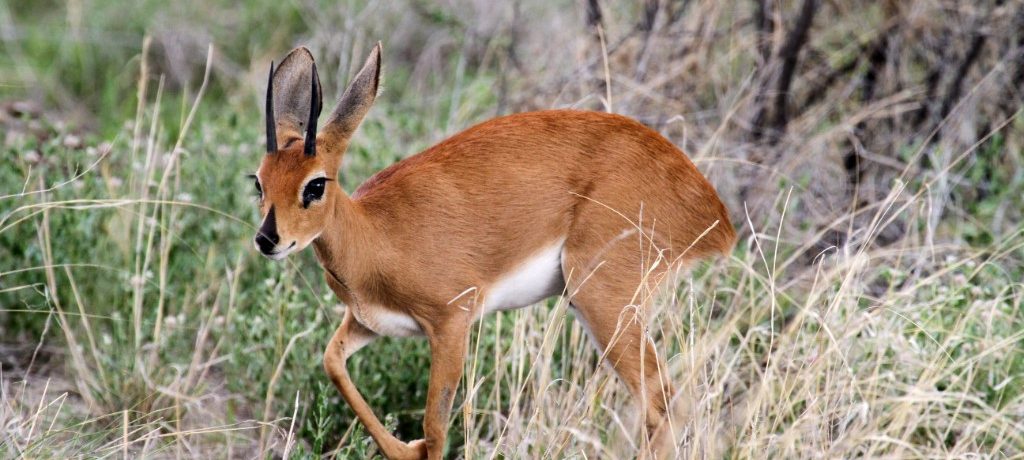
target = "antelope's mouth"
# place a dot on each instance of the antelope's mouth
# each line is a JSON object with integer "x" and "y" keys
{"x": 278, "y": 255}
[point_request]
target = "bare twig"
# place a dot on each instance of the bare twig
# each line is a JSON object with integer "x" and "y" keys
{"x": 789, "y": 54}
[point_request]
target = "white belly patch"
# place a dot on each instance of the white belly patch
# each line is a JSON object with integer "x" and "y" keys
{"x": 386, "y": 322}
{"x": 535, "y": 279}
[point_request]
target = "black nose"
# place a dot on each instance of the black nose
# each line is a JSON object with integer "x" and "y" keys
{"x": 267, "y": 237}
{"x": 267, "y": 243}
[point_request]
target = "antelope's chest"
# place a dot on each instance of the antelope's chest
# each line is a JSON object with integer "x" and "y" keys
{"x": 375, "y": 317}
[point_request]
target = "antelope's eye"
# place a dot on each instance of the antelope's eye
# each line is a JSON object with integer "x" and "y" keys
{"x": 314, "y": 191}
{"x": 259, "y": 190}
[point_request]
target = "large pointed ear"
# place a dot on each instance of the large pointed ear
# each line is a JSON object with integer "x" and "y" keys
{"x": 354, "y": 103}
{"x": 292, "y": 97}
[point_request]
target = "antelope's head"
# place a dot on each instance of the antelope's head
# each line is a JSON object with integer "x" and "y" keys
{"x": 296, "y": 182}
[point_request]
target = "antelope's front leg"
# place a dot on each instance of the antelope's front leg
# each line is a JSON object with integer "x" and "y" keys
{"x": 349, "y": 338}
{"x": 448, "y": 348}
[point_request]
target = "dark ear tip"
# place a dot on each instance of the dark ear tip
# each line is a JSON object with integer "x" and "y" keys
{"x": 376, "y": 53}
{"x": 299, "y": 51}
{"x": 300, "y": 56}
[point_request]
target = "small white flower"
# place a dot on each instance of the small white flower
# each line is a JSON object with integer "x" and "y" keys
{"x": 72, "y": 141}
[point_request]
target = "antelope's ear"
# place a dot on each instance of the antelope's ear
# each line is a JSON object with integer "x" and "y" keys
{"x": 355, "y": 102}
{"x": 292, "y": 97}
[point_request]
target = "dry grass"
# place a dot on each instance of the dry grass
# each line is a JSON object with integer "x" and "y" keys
{"x": 873, "y": 307}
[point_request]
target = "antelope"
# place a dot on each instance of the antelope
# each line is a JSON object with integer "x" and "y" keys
{"x": 505, "y": 214}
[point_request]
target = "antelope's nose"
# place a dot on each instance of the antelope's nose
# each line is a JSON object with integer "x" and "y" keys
{"x": 267, "y": 238}
{"x": 267, "y": 243}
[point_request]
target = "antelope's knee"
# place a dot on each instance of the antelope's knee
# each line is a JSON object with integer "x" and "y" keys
{"x": 334, "y": 359}
{"x": 434, "y": 442}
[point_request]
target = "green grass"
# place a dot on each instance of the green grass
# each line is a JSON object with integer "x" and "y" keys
{"x": 177, "y": 242}
{"x": 162, "y": 331}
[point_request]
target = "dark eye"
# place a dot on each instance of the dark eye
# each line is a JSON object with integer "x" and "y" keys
{"x": 256, "y": 183}
{"x": 314, "y": 191}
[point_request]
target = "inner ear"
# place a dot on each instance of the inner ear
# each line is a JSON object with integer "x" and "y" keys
{"x": 292, "y": 94}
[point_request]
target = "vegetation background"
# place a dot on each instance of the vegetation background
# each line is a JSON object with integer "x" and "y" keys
{"x": 870, "y": 153}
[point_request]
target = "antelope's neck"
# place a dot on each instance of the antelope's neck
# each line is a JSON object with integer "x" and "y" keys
{"x": 347, "y": 247}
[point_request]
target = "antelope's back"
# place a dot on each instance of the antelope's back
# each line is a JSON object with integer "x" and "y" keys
{"x": 523, "y": 180}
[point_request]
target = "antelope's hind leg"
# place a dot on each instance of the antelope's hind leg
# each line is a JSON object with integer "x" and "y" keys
{"x": 608, "y": 288}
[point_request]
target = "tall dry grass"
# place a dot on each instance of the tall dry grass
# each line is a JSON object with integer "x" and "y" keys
{"x": 870, "y": 156}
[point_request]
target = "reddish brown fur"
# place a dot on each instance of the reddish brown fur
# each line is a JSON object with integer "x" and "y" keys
{"x": 459, "y": 215}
